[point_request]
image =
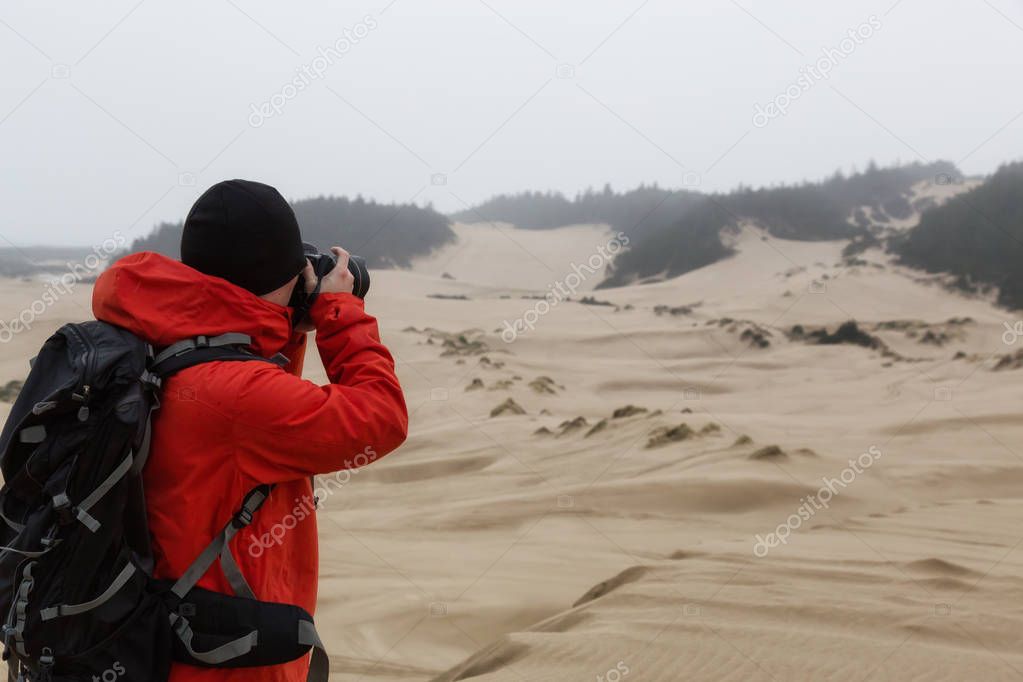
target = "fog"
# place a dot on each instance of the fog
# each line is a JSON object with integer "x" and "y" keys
{"x": 115, "y": 115}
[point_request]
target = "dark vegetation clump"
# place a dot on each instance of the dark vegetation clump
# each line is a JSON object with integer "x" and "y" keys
{"x": 930, "y": 337}
{"x": 1009, "y": 362}
{"x": 672, "y": 233}
{"x": 410, "y": 230}
{"x": 597, "y": 428}
{"x": 572, "y": 425}
{"x": 509, "y": 406}
{"x": 545, "y": 386}
{"x": 487, "y": 363}
{"x": 547, "y": 210}
{"x": 665, "y": 435}
{"x": 756, "y": 338}
{"x": 673, "y": 245}
{"x": 860, "y": 244}
{"x": 848, "y": 333}
{"x": 674, "y": 311}
{"x": 459, "y": 345}
{"x": 627, "y": 411}
{"x": 975, "y": 237}
{"x": 898, "y": 207}
{"x": 768, "y": 453}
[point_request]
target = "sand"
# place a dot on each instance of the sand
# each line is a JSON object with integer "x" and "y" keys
{"x": 530, "y": 259}
{"x": 482, "y": 550}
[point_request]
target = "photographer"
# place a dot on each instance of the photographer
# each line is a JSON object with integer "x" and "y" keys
{"x": 226, "y": 427}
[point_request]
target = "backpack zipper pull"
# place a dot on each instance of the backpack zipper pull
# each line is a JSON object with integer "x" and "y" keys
{"x": 83, "y": 397}
{"x": 46, "y": 665}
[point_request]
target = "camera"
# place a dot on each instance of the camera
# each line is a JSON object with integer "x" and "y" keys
{"x": 323, "y": 264}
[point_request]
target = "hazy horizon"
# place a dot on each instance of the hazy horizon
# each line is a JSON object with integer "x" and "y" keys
{"x": 118, "y": 117}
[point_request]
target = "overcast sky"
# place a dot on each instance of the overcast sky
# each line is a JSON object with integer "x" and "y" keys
{"x": 115, "y": 115}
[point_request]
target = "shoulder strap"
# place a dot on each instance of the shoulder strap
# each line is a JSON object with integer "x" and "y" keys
{"x": 319, "y": 663}
{"x": 229, "y": 339}
{"x": 202, "y": 349}
{"x": 242, "y": 518}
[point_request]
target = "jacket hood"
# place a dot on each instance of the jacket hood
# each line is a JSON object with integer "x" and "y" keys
{"x": 164, "y": 301}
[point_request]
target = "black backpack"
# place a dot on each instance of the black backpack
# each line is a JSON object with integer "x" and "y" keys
{"x": 76, "y": 563}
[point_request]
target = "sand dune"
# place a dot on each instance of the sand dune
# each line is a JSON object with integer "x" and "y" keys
{"x": 833, "y": 608}
{"x": 485, "y": 551}
{"x": 499, "y": 254}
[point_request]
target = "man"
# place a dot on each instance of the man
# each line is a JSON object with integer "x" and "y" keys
{"x": 226, "y": 427}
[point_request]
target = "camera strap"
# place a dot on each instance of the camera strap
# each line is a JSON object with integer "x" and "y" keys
{"x": 303, "y": 306}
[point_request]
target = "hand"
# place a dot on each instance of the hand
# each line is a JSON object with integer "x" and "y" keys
{"x": 339, "y": 280}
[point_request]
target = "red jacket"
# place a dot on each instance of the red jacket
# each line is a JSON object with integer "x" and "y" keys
{"x": 226, "y": 427}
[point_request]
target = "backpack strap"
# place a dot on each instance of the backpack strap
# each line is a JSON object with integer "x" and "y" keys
{"x": 242, "y": 518}
{"x": 17, "y": 618}
{"x": 229, "y": 339}
{"x": 179, "y": 624}
{"x": 233, "y": 573}
{"x": 319, "y": 664}
{"x": 76, "y": 609}
{"x": 202, "y": 349}
{"x": 223, "y": 653}
{"x": 133, "y": 462}
{"x": 147, "y": 441}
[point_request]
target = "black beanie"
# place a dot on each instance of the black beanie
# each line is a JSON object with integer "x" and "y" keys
{"x": 246, "y": 233}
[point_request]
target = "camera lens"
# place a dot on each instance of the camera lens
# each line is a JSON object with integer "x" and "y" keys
{"x": 357, "y": 266}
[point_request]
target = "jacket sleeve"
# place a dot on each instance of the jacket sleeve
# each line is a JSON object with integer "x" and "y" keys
{"x": 286, "y": 428}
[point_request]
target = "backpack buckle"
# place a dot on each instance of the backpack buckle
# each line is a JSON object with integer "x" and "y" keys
{"x": 46, "y": 663}
{"x": 243, "y": 518}
{"x": 62, "y": 506}
{"x": 151, "y": 381}
{"x": 50, "y": 539}
{"x": 202, "y": 341}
